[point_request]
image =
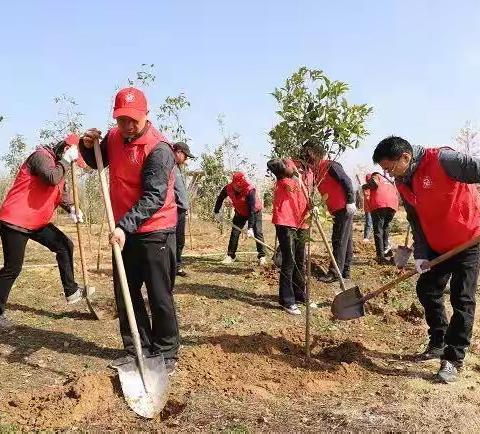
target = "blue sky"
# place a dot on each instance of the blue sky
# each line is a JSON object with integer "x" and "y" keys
{"x": 416, "y": 62}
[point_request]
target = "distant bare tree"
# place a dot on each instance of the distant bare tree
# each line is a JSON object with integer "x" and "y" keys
{"x": 467, "y": 140}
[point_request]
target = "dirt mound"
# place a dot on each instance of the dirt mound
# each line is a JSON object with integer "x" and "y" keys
{"x": 269, "y": 366}
{"x": 62, "y": 406}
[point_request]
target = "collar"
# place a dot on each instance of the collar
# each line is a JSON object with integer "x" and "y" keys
{"x": 417, "y": 155}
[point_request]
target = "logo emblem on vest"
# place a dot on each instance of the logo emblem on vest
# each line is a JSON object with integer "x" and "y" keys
{"x": 427, "y": 183}
{"x": 129, "y": 97}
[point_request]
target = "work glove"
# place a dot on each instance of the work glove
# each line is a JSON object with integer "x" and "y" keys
{"x": 77, "y": 217}
{"x": 351, "y": 208}
{"x": 217, "y": 217}
{"x": 250, "y": 233}
{"x": 71, "y": 154}
{"x": 421, "y": 265}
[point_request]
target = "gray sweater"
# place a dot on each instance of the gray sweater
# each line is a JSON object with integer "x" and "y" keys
{"x": 458, "y": 166}
{"x": 181, "y": 194}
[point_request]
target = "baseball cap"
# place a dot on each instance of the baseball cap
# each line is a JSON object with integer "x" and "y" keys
{"x": 181, "y": 146}
{"x": 130, "y": 102}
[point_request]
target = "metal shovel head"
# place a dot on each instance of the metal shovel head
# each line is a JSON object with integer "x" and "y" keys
{"x": 149, "y": 400}
{"x": 402, "y": 255}
{"x": 348, "y": 304}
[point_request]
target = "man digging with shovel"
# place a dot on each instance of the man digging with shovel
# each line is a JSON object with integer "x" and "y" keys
{"x": 443, "y": 209}
{"x": 39, "y": 188}
{"x": 142, "y": 196}
{"x": 334, "y": 184}
{"x": 248, "y": 209}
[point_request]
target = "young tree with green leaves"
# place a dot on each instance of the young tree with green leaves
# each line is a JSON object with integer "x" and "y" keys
{"x": 314, "y": 108}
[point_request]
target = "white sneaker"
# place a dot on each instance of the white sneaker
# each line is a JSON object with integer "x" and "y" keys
{"x": 80, "y": 294}
{"x": 262, "y": 260}
{"x": 292, "y": 310}
{"x": 228, "y": 260}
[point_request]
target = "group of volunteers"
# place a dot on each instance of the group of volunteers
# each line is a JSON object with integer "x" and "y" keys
{"x": 150, "y": 204}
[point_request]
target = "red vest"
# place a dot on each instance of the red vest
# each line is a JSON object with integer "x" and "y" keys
{"x": 31, "y": 202}
{"x": 384, "y": 196}
{"x": 126, "y": 163}
{"x": 290, "y": 205}
{"x": 448, "y": 210}
{"x": 239, "y": 200}
{"x": 336, "y": 199}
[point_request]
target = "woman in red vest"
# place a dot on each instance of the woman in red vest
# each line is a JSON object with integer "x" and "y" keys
{"x": 39, "y": 188}
{"x": 443, "y": 209}
{"x": 382, "y": 199}
{"x": 289, "y": 215}
{"x": 248, "y": 208}
{"x": 141, "y": 164}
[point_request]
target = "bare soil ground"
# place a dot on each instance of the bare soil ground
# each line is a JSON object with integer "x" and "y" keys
{"x": 242, "y": 364}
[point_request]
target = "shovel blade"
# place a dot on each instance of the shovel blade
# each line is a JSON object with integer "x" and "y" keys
{"x": 348, "y": 304}
{"x": 146, "y": 400}
{"x": 402, "y": 255}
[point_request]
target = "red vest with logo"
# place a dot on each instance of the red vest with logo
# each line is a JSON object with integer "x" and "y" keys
{"x": 31, "y": 202}
{"x": 448, "y": 210}
{"x": 384, "y": 196}
{"x": 290, "y": 205}
{"x": 126, "y": 163}
{"x": 239, "y": 200}
{"x": 336, "y": 199}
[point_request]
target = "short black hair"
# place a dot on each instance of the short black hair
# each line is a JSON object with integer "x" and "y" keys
{"x": 391, "y": 148}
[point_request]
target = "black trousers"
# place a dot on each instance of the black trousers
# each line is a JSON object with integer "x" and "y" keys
{"x": 463, "y": 271}
{"x": 150, "y": 259}
{"x": 240, "y": 221}
{"x": 381, "y": 219}
{"x": 14, "y": 243}
{"x": 342, "y": 242}
{"x": 181, "y": 222}
{"x": 292, "y": 273}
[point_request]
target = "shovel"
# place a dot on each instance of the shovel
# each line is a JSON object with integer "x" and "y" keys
{"x": 351, "y": 304}
{"x": 402, "y": 254}
{"x": 144, "y": 381}
{"x": 76, "y": 201}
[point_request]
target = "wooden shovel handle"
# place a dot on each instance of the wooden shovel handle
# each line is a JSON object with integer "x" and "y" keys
{"x": 256, "y": 239}
{"x": 76, "y": 202}
{"x": 117, "y": 253}
{"x": 408, "y": 235}
{"x": 431, "y": 264}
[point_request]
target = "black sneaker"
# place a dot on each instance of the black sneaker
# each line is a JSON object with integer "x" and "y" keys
{"x": 119, "y": 361}
{"x": 5, "y": 323}
{"x": 171, "y": 365}
{"x": 448, "y": 372}
{"x": 181, "y": 272}
{"x": 433, "y": 351}
{"x": 328, "y": 278}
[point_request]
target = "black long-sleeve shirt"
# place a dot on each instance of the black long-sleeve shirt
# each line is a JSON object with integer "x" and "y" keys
{"x": 458, "y": 166}
{"x": 251, "y": 199}
{"x": 155, "y": 176}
